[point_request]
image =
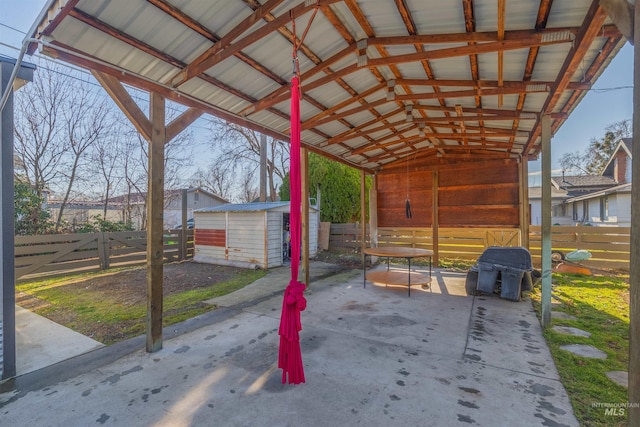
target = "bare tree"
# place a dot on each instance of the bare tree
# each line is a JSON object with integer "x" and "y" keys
{"x": 595, "y": 157}
{"x": 106, "y": 158}
{"x": 240, "y": 147}
{"x": 134, "y": 173}
{"x": 60, "y": 117}
{"x": 87, "y": 120}
{"x": 248, "y": 189}
{"x": 39, "y": 142}
{"x": 218, "y": 179}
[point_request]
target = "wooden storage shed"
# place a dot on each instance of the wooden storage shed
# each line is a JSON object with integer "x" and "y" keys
{"x": 246, "y": 234}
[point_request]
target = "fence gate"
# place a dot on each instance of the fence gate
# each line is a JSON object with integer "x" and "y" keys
{"x": 503, "y": 237}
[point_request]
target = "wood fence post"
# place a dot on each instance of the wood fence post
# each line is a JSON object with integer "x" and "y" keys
{"x": 104, "y": 252}
{"x": 183, "y": 230}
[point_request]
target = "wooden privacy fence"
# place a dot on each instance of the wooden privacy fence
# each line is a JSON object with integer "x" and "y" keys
{"x": 609, "y": 246}
{"x": 58, "y": 254}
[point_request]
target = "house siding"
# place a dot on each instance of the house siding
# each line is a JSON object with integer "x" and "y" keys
{"x": 246, "y": 237}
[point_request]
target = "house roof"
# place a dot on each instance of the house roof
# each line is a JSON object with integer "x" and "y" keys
{"x": 381, "y": 79}
{"x": 582, "y": 182}
{"x": 536, "y": 193}
{"x": 624, "y": 188}
{"x": 140, "y": 197}
{"x": 247, "y": 207}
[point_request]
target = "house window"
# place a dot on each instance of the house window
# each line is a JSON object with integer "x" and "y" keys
{"x": 574, "y": 211}
{"x": 604, "y": 208}
{"x": 585, "y": 211}
{"x": 196, "y": 196}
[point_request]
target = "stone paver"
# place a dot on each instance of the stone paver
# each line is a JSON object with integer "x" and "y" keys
{"x": 571, "y": 331}
{"x": 584, "y": 351}
{"x": 562, "y": 315}
{"x": 619, "y": 377}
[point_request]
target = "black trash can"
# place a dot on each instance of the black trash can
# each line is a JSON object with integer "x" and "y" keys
{"x": 512, "y": 264}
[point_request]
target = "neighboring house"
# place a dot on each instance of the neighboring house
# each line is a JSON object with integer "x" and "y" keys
{"x": 599, "y": 200}
{"x": 81, "y": 212}
{"x": 535, "y": 204}
{"x": 609, "y": 206}
{"x": 197, "y": 198}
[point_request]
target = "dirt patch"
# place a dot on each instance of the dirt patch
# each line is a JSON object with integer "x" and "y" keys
{"x": 128, "y": 288}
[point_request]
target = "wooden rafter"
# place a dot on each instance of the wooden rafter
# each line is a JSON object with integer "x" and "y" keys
{"x": 315, "y": 121}
{"x": 207, "y": 59}
{"x": 592, "y": 28}
{"x": 541, "y": 22}
{"x": 121, "y": 97}
{"x": 523, "y": 40}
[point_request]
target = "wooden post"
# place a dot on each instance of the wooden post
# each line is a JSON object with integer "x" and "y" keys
{"x": 155, "y": 207}
{"x": 546, "y": 220}
{"x": 434, "y": 219}
{"x": 304, "y": 188}
{"x": 263, "y": 167}
{"x": 184, "y": 230}
{"x": 634, "y": 276}
{"x": 523, "y": 168}
{"x": 373, "y": 211}
{"x": 103, "y": 250}
{"x": 363, "y": 215}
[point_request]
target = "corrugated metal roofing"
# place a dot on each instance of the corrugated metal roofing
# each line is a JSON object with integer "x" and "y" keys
{"x": 246, "y": 207}
{"x": 470, "y": 82}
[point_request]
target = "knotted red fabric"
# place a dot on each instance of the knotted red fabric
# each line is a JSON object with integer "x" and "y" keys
{"x": 289, "y": 356}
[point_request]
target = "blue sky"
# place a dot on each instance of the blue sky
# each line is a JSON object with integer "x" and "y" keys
{"x": 609, "y": 101}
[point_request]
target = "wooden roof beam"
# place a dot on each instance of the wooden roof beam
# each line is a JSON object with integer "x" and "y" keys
{"x": 314, "y": 121}
{"x": 206, "y": 59}
{"x": 226, "y": 48}
{"x": 541, "y": 22}
{"x": 194, "y": 25}
{"x": 491, "y": 47}
{"x": 521, "y": 39}
{"x": 591, "y": 28}
{"x": 125, "y": 102}
{"x": 182, "y": 122}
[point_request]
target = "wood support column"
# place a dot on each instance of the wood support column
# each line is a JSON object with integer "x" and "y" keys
{"x": 157, "y": 134}
{"x": 155, "y": 208}
{"x": 546, "y": 220}
{"x": 434, "y": 219}
{"x": 634, "y": 276}
{"x": 373, "y": 211}
{"x": 525, "y": 219}
{"x": 363, "y": 214}
{"x": 304, "y": 188}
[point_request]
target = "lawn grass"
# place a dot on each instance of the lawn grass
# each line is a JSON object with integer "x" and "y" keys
{"x": 104, "y": 318}
{"x": 601, "y": 307}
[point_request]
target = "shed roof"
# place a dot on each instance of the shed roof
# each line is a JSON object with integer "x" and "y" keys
{"x": 247, "y": 207}
{"x": 381, "y": 79}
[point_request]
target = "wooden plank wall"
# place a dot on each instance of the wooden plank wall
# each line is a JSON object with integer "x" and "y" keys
{"x": 471, "y": 194}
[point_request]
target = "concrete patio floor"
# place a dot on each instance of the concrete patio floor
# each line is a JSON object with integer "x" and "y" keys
{"x": 372, "y": 356}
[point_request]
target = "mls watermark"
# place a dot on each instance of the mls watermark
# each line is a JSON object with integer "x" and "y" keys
{"x": 615, "y": 409}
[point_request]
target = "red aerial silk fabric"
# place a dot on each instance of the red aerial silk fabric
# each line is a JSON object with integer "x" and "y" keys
{"x": 289, "y": 356}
